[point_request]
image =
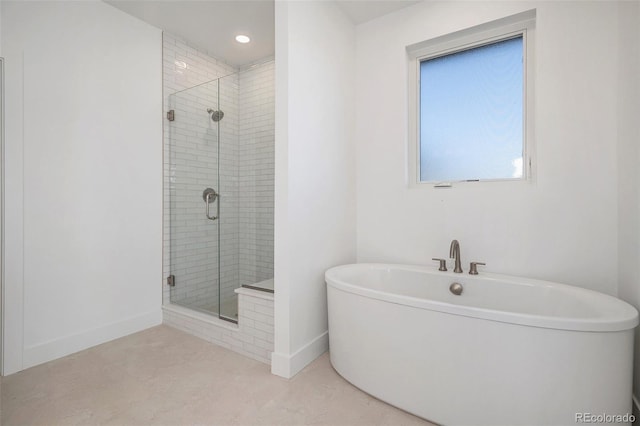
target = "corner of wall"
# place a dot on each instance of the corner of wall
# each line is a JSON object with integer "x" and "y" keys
{"x": 315, "y": 50}
{"x": 287, "y": 366}
{"x": 628, "y": 155}
{"x": 70, "y": 344}
{"x": 1, "y": 198}
{"x": 281, "y": 222}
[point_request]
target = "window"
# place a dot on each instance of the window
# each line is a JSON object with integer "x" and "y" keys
{"x": 470, "y": 104}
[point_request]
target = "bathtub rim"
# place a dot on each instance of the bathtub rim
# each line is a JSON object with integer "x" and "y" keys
{"x": 626, "y": 320}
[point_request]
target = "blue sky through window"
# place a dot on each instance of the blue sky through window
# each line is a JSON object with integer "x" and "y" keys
{"x": 471, "y": 113}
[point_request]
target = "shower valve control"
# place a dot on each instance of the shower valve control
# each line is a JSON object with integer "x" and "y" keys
{"x": 209, "y": 195}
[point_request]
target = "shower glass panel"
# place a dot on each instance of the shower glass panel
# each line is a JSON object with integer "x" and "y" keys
{"x": 221, "y": 185}
{"x": 195, "y": 197}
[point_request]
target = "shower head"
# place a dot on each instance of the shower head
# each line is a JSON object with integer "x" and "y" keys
{"x": 216, "y": 115}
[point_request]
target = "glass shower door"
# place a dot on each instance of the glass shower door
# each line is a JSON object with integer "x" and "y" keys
{"x": 194, "y": 187}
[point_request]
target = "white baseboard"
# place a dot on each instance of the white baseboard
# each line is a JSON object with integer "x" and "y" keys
{"x": 58, "y": 348}
{"x": 287, "y": 366}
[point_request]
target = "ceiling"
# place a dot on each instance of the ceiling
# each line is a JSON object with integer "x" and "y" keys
{"x": 213, "y": 24}
{"x": 360, "y": 11}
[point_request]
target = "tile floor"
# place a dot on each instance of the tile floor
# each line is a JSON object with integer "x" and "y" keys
{"x": 162, "y": 376}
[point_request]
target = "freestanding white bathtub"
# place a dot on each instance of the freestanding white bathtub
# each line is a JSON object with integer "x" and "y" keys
{"x": 507, "y": 351}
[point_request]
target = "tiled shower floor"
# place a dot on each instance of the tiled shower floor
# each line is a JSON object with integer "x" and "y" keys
{"x": 229, "y": 308}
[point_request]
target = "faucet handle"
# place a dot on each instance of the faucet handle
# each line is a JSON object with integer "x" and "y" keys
{"x": 443, "y": 264}
{"x": 473, "y": 270}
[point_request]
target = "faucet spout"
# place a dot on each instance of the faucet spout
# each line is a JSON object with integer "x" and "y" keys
{"x": 454, "y": 253}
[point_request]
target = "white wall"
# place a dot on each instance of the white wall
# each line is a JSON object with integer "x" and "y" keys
{"x": 84, "y": 177}
{"x": 561, "y": 226}
{"x": 314, "y": 189}
{"x": 628, "y": 160}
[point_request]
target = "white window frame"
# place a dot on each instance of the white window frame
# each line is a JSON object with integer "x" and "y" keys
{"x": 491, "y": 32}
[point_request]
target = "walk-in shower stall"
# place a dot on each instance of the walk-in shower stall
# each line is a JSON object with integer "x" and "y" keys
{"x": 220, "y": 180}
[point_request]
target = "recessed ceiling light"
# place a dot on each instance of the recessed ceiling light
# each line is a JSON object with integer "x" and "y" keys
{"x": 242, "y": 38}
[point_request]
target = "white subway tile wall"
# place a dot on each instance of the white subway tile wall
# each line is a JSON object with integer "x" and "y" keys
{"x": 256, "y": 172}
{"x": 244, "y": 177}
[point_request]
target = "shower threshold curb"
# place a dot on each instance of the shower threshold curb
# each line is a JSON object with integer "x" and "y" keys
{"x": 200, "y": 316}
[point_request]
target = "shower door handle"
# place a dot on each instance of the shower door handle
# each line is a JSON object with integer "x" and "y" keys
{"x": 210, "y": 195}
{"x": 207, "y": 202}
